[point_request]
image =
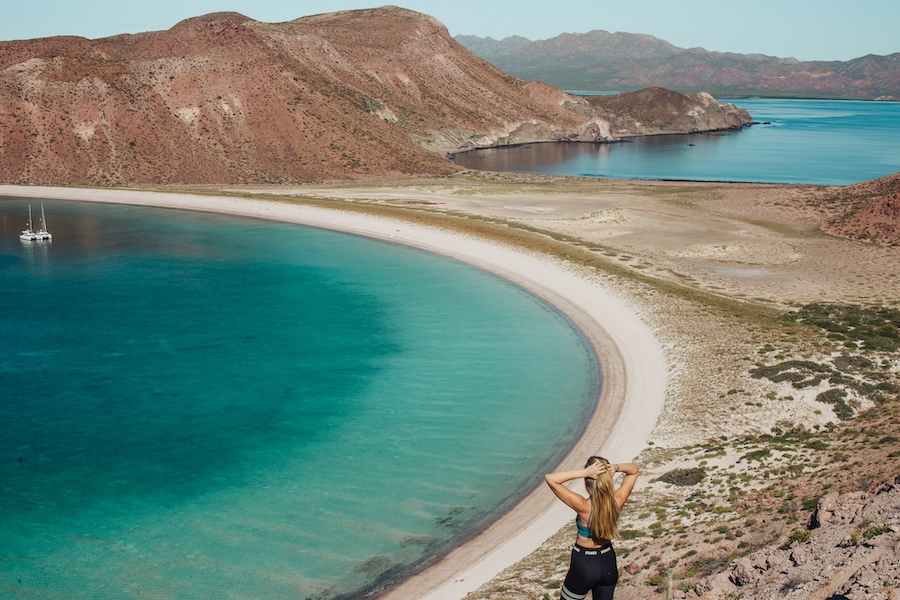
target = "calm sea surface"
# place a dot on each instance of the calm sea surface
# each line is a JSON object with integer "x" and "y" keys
{"x": 196, "y": 406}
{"x": 797, "y": 141}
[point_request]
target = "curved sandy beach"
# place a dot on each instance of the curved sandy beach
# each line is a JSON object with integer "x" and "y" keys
{"x": 632, "y": 359}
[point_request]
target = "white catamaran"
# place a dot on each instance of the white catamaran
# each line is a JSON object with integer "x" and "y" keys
{"x": 30, "y": 235}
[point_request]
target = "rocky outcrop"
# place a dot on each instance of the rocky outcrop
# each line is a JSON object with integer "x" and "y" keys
{"x": 226, "y": 99}
{"x": 656, "y": 111}
{"x": 850, "y": 549}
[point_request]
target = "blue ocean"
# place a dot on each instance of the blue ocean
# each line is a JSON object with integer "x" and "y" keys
{"x": 794, "y": 141}
{"x": 199, "y": 406}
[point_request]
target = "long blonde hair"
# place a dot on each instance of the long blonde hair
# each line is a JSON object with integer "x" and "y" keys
{"x": 604, "y": 510}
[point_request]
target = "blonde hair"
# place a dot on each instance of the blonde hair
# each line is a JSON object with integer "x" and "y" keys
{"x": 604, "y": 510}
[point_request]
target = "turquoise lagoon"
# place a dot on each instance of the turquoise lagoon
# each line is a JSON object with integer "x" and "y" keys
{"x": 199, "y": 406}
{"x": 794, "y": 141}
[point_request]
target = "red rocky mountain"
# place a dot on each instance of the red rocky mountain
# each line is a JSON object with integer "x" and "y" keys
{"x": 226, "y": 99}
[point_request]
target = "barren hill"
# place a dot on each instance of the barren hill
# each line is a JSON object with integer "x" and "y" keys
{"x": 225, "y": 99}
{"x": 600, "y": 60}
{"x": 872, "y": 211}
{"x": 658, "y": 110}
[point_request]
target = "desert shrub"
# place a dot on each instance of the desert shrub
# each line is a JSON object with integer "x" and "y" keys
{"x": 768, "y": 372}
{"x": 811, "y": 503}
{"x": 787, "y": 376}
{"x": 852, "y": 363}
{"x": 887, "y": 386}
{"x": 709, "y": 565}
{"x": 756, "y": 455}
{"x": 683, "y": 477}
{"x": 839, "y": 457}
{"x": 798, "y": 535}
{"x": 691, "y": 572}
{"x": 880, "y": 343}
{"x": 866, "y": 389}
{"x": 835, "y": 397}
{"x": 793, "y": 582}
{"x": 812, "y": 382}
{"x": 876, "y": 530}
{"x": 631, "y": 534}
{"x": 787, "y": 508}
{"x": 876, "y": 327}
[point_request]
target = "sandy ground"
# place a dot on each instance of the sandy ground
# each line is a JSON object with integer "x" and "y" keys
{"x": 745, "y": 241}
{"x": 633, "y": 361}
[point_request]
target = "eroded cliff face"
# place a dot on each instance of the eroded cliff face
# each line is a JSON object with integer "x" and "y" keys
{"x": 225, "y": 99}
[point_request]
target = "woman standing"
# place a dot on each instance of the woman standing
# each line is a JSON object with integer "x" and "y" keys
{"x": 593, "y": 565}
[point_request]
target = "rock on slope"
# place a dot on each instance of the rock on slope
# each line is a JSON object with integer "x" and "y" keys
{"x": 225, "y": 99}
{"x": 852, "y": 550}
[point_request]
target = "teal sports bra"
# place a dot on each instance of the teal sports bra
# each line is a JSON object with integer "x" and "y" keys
{"x": 583, "y": 530}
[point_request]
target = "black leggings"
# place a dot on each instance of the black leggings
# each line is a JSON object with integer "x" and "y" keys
{"x": 591, "y": 570}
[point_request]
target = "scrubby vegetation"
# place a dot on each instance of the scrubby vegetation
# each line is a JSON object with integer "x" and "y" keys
{"x": 856, "y": 374}
{"x": 870, "y": 328}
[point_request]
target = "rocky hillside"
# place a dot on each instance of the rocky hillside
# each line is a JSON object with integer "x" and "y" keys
{"x": 599, "y": 60}
{"x": 851, "y": 550}
{"x": 225, "y": 99}
{"x": 871, "y": 211}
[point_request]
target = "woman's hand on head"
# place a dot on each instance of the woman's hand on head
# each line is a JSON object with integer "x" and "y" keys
{"x": 596, "y": 469}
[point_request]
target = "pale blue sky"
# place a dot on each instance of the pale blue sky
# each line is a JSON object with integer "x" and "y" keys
{"x": 804, "y": 29}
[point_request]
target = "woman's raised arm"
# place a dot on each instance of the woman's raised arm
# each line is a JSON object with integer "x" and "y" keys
{"x": 631, "y": 471}
{"x": 572, "y": 499}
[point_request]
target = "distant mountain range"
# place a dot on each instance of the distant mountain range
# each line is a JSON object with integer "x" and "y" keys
{"x": 603, "y": 61}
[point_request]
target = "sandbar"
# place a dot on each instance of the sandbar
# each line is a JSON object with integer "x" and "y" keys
{"x": 632, "y": 360}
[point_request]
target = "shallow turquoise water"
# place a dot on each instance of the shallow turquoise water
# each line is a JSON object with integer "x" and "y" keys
{"x": 197, "y": 406}
{"x": 796, "y": 141}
